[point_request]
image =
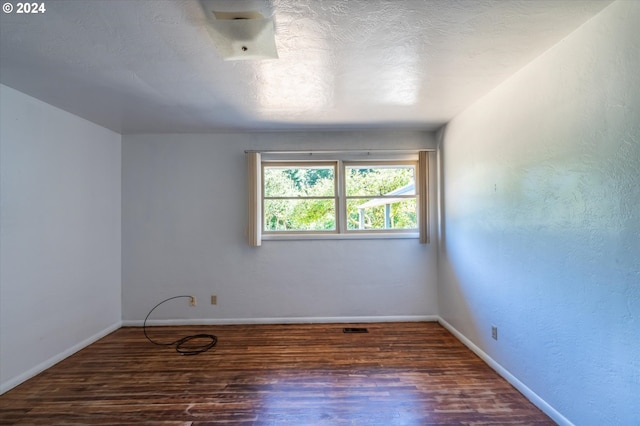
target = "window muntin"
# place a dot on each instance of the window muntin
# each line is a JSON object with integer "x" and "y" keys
{"x": 337, "y": 197}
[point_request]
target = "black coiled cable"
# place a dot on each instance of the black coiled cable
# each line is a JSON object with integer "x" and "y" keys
{"x": 180, "y": 343}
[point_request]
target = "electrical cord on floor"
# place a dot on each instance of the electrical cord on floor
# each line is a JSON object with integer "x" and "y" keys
{"x": 180, "y": 344}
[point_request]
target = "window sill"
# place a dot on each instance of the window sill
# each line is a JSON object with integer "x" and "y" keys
{"x": 349, "y": 236}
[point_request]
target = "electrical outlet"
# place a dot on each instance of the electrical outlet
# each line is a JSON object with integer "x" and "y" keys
{"x": 494, "y": 332}
{"x": 214, "y": 299}
{"x": 192, "y": 301}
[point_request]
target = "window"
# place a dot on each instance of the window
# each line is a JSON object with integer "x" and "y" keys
{"x": 294, "y": 197}
{"x": 299, "y": 197}
{"x": 381, "y": 196}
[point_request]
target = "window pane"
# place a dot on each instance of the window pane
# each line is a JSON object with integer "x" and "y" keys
{"x": 380, "y": 180}
{"x": 282, "y": 181}
{"x": 299, "y": 215}
{"x": 381, "y": 213}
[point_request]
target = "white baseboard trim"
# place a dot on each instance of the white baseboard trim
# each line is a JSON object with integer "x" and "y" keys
{"x": 528, "y": 393}
{"x": 15, "y": 381}
{"x": 282, "y": 320}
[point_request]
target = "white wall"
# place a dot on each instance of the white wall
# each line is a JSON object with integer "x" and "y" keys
{"x": 60, "y": 225}
{"x": 541, "y": 222}
{"x": 183, "y": 217}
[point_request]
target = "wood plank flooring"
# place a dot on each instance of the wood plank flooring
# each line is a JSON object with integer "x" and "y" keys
{"x": 311, "y": 374}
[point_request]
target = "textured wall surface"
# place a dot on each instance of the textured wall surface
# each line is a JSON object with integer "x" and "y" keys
{"x": 541, "y": 222}
{"x": 60, "y": 227}
{"x": 183, "y": 217}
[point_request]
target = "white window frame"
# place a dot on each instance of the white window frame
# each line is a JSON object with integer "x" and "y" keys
{"x": 302, "y": 164}
{"x": 411, "y": 232}
{"x": 258, "y": 161}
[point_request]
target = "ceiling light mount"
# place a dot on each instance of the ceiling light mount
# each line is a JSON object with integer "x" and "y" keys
{"x": 241, "y": 35}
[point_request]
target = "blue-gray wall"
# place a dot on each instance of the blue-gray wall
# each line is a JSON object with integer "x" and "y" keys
{"x": 541, "y": 222}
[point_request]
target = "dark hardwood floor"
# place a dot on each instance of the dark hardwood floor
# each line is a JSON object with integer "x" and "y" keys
{"x": 311, "y": 374}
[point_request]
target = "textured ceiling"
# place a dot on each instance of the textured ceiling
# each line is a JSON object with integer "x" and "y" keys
{"x": 150, "y": 66}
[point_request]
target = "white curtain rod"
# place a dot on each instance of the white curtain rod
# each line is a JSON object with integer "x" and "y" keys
{"x": 343, "y": 151}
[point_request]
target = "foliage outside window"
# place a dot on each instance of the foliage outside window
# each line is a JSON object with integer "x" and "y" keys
{"x": 380, "y": 197}
{"x": 339, "y": 197}
{"x": 299, "y": 197}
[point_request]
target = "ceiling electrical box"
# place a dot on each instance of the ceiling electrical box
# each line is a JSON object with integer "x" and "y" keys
{"x": 241, "y": 30}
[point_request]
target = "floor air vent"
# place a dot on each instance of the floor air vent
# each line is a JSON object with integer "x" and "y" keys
{"x": 354, "y": 330}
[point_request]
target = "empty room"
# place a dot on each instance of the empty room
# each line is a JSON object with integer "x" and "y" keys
{"x": 320, "y": 212}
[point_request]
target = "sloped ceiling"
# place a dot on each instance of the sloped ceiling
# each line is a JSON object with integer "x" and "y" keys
{"x": 150, "y": 66}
